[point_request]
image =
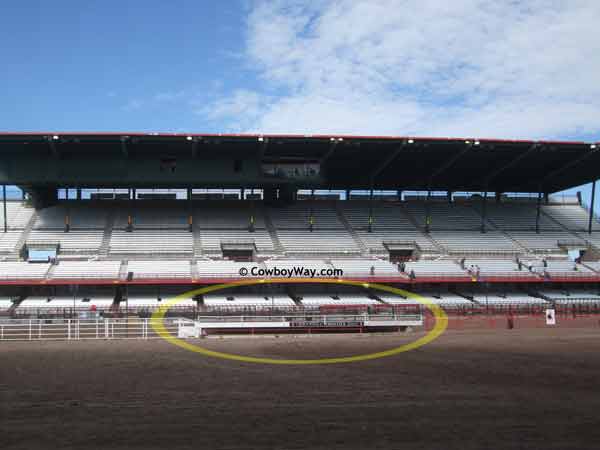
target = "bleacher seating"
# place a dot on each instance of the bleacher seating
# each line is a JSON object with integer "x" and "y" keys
{"x": 151, "y": 242}
{"x": 445, "y": 298}
{"x": 80, "y": 217}
{"x": 223, "y": 268}
{"x": 248, "y": 300}
{"x": 374, "y": 241}
{"x": 461, "y": 242}
{"x": 385, "y": 215}
{"x": 221, "y": 215}
{"x": 362, "y": 267}
{"x": 87, "y": 269}
{"x": 547, "y": 241}
{"x": 558, "y": 267}
{"x": 291, "y": 264}
{"x": 160, "y": 269}
{"x": 572, "y": 296}
{"x": 514, "y": 216}
{"x": 573, "y": 217}
{"x": 496, "y": 267}
{"x": 445, "y": 268}
{"x": 297, "y": 216}
{"x": 9, "y": 241}
{"x": 5, "y": 304}
{"x": 18, "y": 215}
{"x": 212, "y": 239}
{"x": 507, "y": 299}
{"x": 323, "y": 299}
{"x": 23, "y": 270}
{"x": 60, "y": 302}
{"x": 319, "y": 241}
{"x": 75, "y": 241}
{"x": 445, "y": 216}
{"x": 146, "y": 216}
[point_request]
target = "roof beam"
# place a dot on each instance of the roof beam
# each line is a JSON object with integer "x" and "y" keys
{"x": 333, "y": 144}
{"x": 124, "y": 149}
{"x": 593, "y": 150}
{"x": 485, "y": 181}
{"x": 52, "y": 140}
{"x": 194, "y": 142}
{"x": 387, "y": 161}
{"x": 263, "y": 143}
{"x": 449, "y": 163}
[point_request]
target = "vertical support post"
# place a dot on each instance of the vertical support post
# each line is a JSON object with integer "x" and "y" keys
{"x": 190, "y": 211}
{"x": 428, "y": 211}
{"x": 483, "y": 210}
{"x": 591, "y": 207}
{"x": 311, "y": 219}
{"x": 537, "y": 213}
{"x": 4, "y": 206}
{"x": 371, "y": 210}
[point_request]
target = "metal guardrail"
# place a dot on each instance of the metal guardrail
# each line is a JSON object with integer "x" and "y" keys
{"x": 77, "y": 329}
{"x": 136, "y": 328}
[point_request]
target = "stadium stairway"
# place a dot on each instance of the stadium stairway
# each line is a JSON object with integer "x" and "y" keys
{"x": 24, "y": 236}
{"x": 108, "y": 228}
{"x": 197, "y": 242}
{"x": 357, "y": 240}
{"x": 123, "y": 270}
{"x": 415, "y": 224}
{"x": 273, "y": 233}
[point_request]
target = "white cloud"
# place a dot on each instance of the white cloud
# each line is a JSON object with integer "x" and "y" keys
{"x": 525, "y": 69}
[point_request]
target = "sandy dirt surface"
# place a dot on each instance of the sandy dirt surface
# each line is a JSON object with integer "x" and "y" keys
{"x": 471, "y": 389}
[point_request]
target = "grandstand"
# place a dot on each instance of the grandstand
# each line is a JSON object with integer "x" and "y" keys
{"x": 423, "y": 222}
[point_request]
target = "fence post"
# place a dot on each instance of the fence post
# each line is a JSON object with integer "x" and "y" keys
{"x": 69, "y": 329}
{"x": 29, "y": 329}
{"x": 106, "y": 328}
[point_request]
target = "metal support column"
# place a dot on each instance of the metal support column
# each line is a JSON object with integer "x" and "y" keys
{"x": 4, "y": 206}
{"x": 428, "y": 211}
{"x": 483, "y": 210}
{"x": 537, "y": 213}
{"x": 591, "y": 219}
{"x": 190, "y": 210}
{"x": 370, "y": 228}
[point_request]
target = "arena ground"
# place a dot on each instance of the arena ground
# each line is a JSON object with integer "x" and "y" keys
{"x": 471, "y": 389}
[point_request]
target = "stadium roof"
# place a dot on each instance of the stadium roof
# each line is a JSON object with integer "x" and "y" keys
{"x": 382, "y": 162}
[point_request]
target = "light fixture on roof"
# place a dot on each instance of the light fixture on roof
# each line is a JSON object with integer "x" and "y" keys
{"x": 55, "y": 137}
{"x": 593, "y": 146}
{"x": 467, "y": 142}
{"x": 261, "y": 139}
{"x": 411, "y": 141}
{"x": 188, "y": 138}
{"x": 476, "y": 143}
{"x": 340, "y": 139}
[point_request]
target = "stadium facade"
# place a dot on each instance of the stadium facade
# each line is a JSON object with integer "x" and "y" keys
{"x": 467, "y": 222}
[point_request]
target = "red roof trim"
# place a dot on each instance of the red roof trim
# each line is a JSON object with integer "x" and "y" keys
{"x": 283, "y": 136}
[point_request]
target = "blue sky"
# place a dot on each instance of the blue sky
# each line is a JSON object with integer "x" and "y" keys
{"x": 469, "y": 68}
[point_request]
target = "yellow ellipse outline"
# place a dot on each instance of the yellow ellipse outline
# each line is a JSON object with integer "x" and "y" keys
{"x": 441, "y": 323}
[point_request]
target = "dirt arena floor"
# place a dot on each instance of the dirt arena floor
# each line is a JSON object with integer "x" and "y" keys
{"x": 471, "y": 389}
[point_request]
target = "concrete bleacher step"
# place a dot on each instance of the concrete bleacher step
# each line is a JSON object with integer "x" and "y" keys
{"x": 123, "y": 270}
{"x": 351, "y": 231}
{"x": 273, "y": 233}
{"x": 106, "y": 236}
{"x": 415, "y": 224}
{"x": 50, "y": 273}
{"x": 197, "y": 242}
{"x": 24, "y": 235}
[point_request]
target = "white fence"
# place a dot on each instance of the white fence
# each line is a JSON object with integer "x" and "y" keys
{"x": 79, "y": 329}
{"x": 136, "y": 328}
